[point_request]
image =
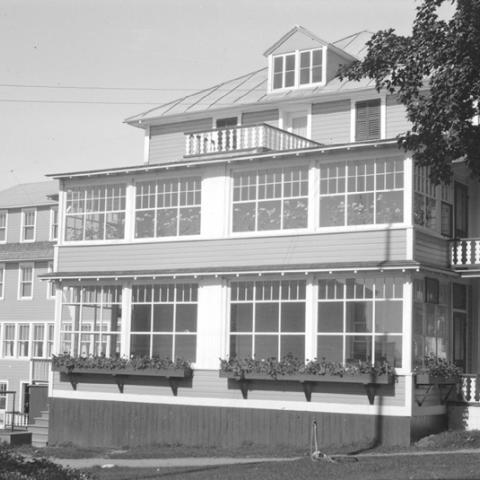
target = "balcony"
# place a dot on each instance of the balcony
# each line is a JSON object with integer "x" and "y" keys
{"x": 465, "y": 254}
{"x": 244, "y": 139}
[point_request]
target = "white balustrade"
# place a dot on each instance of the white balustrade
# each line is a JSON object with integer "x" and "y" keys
{"x": 465, "y": 252}
{"x": 233, "y": 139}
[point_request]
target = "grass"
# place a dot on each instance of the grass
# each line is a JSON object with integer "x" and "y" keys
{"x": 451, "y": 467}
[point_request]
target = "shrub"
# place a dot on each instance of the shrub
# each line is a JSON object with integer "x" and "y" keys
{"x": 16, "y": 467}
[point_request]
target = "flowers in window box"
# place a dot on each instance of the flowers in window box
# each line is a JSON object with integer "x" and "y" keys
{"x": 437, "y": 370}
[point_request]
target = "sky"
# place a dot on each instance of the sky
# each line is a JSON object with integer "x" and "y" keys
{"x": 71, "y": 71}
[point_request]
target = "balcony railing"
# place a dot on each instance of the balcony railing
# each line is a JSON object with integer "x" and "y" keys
{"x": 465, "y": 253}
{"x": 255, "y": 138}
{"x": 469, "y": 388}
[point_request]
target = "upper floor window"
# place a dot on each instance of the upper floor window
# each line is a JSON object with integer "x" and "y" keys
{"x": 168, "y": 208}
{"x": 273, "y": 199}
{"x": 95, "y": 213}
{"x": 164, "y": 321}
{"x": 38, "y": 344}
{"x": 3, "y": 226}
{"x": 432, "y": 204}
{"x": 28, "y": 225}
{"x": 9, "y": 340}
{"x": 54, "y": 223}
{"x": 25, "y": 281}
{"x": 299, "y": 68}
{"x": 91, "y": 321}
{"x": 362, "y": 192}
{"x": 23, "y": 340}
{"x": 367, "y": 120}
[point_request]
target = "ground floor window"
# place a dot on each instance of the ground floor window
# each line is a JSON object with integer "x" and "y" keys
{"x": 360, "y": 319}
{"x": 91, "y": 321}
{"x": 267, "y": 319}
{"x": 164, "y": 321}
{"x": 431, "y": 310}
{"x": 3, "y": 395}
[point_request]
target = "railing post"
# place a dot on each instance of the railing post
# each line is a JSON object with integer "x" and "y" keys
{"x": 468, "y": 252}
{"x": 477, "y": 252}
{"x": 459, "y": 253}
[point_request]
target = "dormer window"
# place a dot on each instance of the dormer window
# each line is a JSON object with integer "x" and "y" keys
{"x": 298, "y": 69}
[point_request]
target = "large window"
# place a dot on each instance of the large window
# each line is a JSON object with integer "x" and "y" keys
{"x": 25, "y": 281}
{"x": 361, "y": 192}
{"x": 168, "y": 208}
{"x": 38, "y": 346}
{"x": 432, "y": 204}
{"x": 27, "y": 340}
{"x": 297, "y": 69}
{"x": 29, "y": 217}
{"x": 3, "y": 226}
{"x": 91, "y": 321}
{"x": 164, "y": 321}
{"x": 95, "y": 213}
{"x": 273, "y": 199}
{"x": 267, "y": 319}
{"x": 360, "y": 319}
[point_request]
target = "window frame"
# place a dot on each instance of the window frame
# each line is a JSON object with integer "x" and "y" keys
{"x": 2, "y": 281}
{"x": 255, "y": 169}
{"x": 54, "y": 226}
{"x": 21, "y": 342}
{"x": 11, "y": 341}
{"x": 5, "y": 227}
{"x": 24, "y": 226}
{"x": 297, "y": 69}
{"x": 21, "y": 281}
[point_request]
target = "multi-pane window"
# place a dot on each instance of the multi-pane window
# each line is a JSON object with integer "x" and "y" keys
{"x": 361, "y": 192}
{"x": 54, "y": 223}
{"x": 9, "y": 340}
{"x": 168, "y": 208}
{"x": 2, "y": 281}
{"x": 25, "y": 281}
{"x": 311, "y": 66}
{"x": 273, "y": 199}
{"x": 28, "y": 224}
{"x": 38, "y": 345}
{"x": 23, "y": 340}
{"x": 267, "y": 319}
{"x": 50, "y": 339}
{"x": 164, "y": 321}
{"x": 91, "y": 321}
{"x": 367, "y": 120}
{"x": 95, "y": 213}
{"x": 3, "y": 226}
{"x": 432, "y": 204}
{"x": 284, "y": 71}
{"x": 360, "y": 319}
{"x": 3, "y": 395}
{"x": 431, "y": 307}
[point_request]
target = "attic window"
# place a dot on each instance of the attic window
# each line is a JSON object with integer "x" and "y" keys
{"x": 297, "y": 69}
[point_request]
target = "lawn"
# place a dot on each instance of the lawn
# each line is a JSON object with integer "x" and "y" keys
{"x": 446, "y": 467}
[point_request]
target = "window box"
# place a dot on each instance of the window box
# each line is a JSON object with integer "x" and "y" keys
{"x": 427, "y": 379}
{"x": 173, "y": 375}
{"x": 369, "y": 381}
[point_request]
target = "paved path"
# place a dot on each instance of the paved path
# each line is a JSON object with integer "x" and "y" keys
{"x": 217, "y": 461}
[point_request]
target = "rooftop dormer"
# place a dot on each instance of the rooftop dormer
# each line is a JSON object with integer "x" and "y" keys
{"x": 300, "y": 59}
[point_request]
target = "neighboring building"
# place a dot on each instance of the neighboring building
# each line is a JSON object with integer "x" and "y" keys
{"x": 28, "y": 232}
{"x": 273, "y": 214}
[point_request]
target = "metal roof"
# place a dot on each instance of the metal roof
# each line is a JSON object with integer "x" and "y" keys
{"x": 251, "y": 89}
{"x": 29, "y": 195}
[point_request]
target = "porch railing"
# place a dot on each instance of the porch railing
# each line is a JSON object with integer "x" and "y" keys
{"x": 15, "y": 420}
{"x": 469, "y": 388}
{"x": 244, "y": 138}
{"x": 465, "y": 252}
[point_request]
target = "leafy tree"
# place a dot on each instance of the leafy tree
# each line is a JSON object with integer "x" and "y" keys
{"x": 435, "y": 73}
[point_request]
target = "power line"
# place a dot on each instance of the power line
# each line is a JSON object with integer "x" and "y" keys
{"x": 99, "y": 102}
{"x": 79, "y": 87}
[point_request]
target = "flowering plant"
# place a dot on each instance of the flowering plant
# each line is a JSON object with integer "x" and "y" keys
{"x": 438, "y": 367}
{"x": 291, "y": 365}
{"x": 135, "y": 362}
